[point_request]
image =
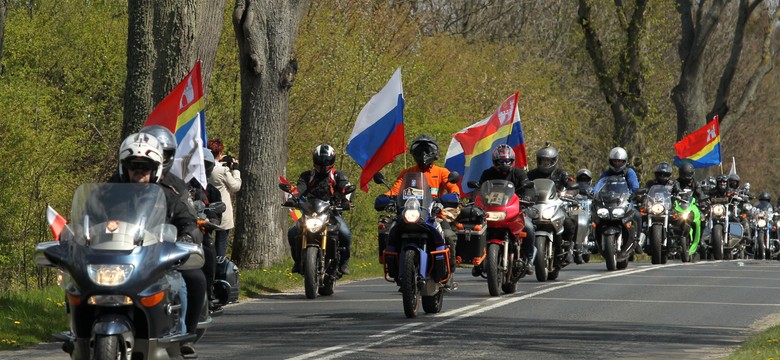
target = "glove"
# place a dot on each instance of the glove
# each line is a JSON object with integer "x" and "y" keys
{"x": 201, "y": 225}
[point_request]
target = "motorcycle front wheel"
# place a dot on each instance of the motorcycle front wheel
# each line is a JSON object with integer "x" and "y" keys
{"x": 509, "y": 285}
{"x": 494, "y": 274}
{"x": 717, "y": 242}
{"x": 610, "y": 252}
{"x": 656, "y": 244}
{"x": 760, "y": 248}
{"x": 411, "y": 294}
{"x": 107, "y": 348}
{"x": 310, "y": 279}
{"x": 542, "y": 256}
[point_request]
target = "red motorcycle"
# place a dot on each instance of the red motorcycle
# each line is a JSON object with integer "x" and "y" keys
{"x": 504, "y": 264}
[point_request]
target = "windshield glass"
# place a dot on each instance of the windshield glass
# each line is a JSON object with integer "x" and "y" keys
{"x": 414, "y": 186}
{"x": 119, "y": 216}
{"x": 496, "y": 192}
{"x": 615, "y": 190}
{"x": 659, "y": 194}
{"x": 545, "y": 190}
{"x": 764, "y": 206}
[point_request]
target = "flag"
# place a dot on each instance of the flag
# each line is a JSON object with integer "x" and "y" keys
{"x": 378, "y": 135}
{"x": 701, "y": 147}
{"x": 182, "y": 113}
{"x": 56, "y": 222}
{"x": 471, "y": 149}
{"x": 295, "y": 214}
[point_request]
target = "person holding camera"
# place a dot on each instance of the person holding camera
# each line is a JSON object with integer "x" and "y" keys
{"x": 227, "y": 179}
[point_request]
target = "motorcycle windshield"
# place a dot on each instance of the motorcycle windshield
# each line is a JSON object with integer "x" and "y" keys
{"x": 659, "y": 194}
{"x": 764, "y": 209}
{"x": 415, "y": 186}
{"x": 496, "y": 192}
{"x": 314, "y": 206}
{"x": 119, "y": 216}
{"x": 545, "y": 190}
{"x": 614, "y": 192}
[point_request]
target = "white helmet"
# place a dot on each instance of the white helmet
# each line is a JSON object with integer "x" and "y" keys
{"x": 141, "y": 148}
{"x": 618, "y": 153}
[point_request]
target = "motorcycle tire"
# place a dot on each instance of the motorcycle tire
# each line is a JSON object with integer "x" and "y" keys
{"x": 494, "y": 274}
{"x": 586, "y": 258}
{"x": 685, "y": 245}
{"x": 310, "y": 279}
{"x": 411, "y": 294}
{"x": 553, "y": 275}
{"x": 610, "y": 252}
{"x": 760, "y": 247}
{"x": 622, "y": 264}
{"x": 656, "y": 244}
{"x": 107, "y": 348}
{"x": 432, "y": 304}
{"x": 540, "y": 262}
{"x": 509, "y": 285}
{"x": 717, "y": 242}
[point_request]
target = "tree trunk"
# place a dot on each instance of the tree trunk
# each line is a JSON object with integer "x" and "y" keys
{"x": 266, "y": 32}
{"x": 162, "y": 47}
{"x": 210, "y": 17}
{"x": 3, "y": 12}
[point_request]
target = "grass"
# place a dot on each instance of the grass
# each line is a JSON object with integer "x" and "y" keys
{"x": 764, "y": 345}
{"x": 30, "y": 317}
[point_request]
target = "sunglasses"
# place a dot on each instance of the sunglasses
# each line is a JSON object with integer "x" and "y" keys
{"x": 142, "y": 166}
{"x": 504, "y": 162}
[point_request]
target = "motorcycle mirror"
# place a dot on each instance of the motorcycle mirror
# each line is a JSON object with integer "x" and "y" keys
{"x": 473, "y": 184}
{"x": 349, "y": 189}
{"x": 379, "y": 178}
{"x": 195, "y": 260}
{"x": 218, "y": 207}
{"x": 641, "y": 192}
{"x": 454, "y": 177}
{"x": 285, "y": 187}
{"x": 199, "y": 206}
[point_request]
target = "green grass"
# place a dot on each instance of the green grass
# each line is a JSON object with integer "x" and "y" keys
{"x": 30, "y": 317}
{"x": 764, "y": 345}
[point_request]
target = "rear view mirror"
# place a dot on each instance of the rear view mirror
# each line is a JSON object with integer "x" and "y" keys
{"x": 196, "y": 258}
{"x": 379, "y": 178}
{"x": 217, "y": 207}
{"x": 285, "y": 187}
{"x": 473, "y": 184}
{"x": 454, "y": 177}
{"x": 349, "y": 189}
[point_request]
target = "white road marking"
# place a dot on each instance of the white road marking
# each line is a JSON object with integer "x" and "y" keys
{"x": 473, "y": 310}
{"x": 710, "y": 277}
{"x": 395, "y": 330}
{"x": 690, "y": 285}
{"x": 697, "y": 303}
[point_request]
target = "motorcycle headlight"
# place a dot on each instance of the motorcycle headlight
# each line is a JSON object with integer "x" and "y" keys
{"x": 718, "y": 210}
{"x": 109, "y": 300}
{"x": 619, "y": 212}
{"x": 412, "y": 211}
{"x": 315, "y": 223}
{"x": 602, "y": 213}
{"x": 657, "y": 209}
{"x": 109, "y": 275}
{"x": 685, "y": 215}
{"x": 747, "y": 207}
{"x": 761, "y": 223}
{"x": 548, "y": 213}
{"x": 495, "y": 215}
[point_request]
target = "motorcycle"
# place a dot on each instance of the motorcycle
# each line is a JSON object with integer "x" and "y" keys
{"x": 320, "y": 248}
{"x": 118, "y": 264}
{"x": 763, "y": 220}
{"x": 687, "y": 227}
{"x": 724, "y": 236}
{"x": 226, "y": 278}
{"x": 504, "y": 264}
{"x": 416, "y": 255}
{"x": 658, "y": 205}
{"x": 471, "y": 229}
{"x": 614, "y": 221}
{"x": 548, "y": 214}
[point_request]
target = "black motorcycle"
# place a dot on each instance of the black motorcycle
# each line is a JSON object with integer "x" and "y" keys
{"x": 118, "y": 263}
{"x": 615, "y": 225}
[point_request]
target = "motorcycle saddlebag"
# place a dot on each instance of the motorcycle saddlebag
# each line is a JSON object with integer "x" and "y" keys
{"x": 471, "y": 246}
{"x": 471, "y": 215}
{"x": 226, "y": 285}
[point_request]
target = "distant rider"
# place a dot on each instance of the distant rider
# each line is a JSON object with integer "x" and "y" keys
{"x": 618, "y": 159}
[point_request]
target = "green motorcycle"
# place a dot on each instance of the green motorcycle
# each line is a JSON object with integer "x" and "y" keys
{"x": 687, "y": 227}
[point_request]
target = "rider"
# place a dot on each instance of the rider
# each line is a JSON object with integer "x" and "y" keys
{"x": 504, "y": 169}
{"x": 425, "y": 151}
{"x": 547, "y": 168}
{"x": 140, "y": 161}
{"x": 733, "y": 189}
{"x": 584, "y": 180}
{"x": 687, "y": 181}
{"x": 618, "y": 158}
{"x": 663, "y": 176}
{"x": 326, "y": 183}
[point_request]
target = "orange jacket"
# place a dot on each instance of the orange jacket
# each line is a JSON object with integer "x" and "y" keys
{"x": 437, "y": 179}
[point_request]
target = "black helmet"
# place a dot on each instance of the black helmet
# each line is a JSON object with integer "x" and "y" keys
{"x": 324, "y": 156}
{"x": 686, "y": 171}
{"x": 503, "y": 157}
{"x": 584, "y": 175}
{"x": 168, "y": 142}
{"x": 733, "y": 181}
{"x": 722, "y": 182}
{"x": 425, "y": 151}
{"x": 663, "y": 171}
{"x": 547, "y": 159}
{"x": 765, "y": 196}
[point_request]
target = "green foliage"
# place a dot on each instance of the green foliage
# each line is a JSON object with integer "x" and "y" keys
{"x": 764, "y": 345}
{"x": 64, "y": 71}
{"x": 30, "y": 317}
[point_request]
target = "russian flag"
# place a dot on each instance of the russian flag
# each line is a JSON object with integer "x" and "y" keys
{"x": 378, "y": 135}
{"x": 182, "y": 112}
{"x": 471, "y": 149}
{"x": 701, "y": 147}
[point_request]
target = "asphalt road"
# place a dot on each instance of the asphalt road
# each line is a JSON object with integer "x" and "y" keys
{"x": 674, "y": 311}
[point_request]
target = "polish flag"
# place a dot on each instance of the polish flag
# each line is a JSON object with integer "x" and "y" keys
{"x": 56, "y": 222}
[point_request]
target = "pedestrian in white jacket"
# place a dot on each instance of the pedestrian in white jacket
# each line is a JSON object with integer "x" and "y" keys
{"x": 227, "y": 179}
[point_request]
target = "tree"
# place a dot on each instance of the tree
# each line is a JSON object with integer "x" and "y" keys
{"x": 690, "y": 95}
{"x": 3, "y": 12}
{"x": 266, "y": 31}
{"x": 165, "y": 38}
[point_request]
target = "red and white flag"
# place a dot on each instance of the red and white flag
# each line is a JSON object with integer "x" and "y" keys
{"x": 56, "y": 222}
